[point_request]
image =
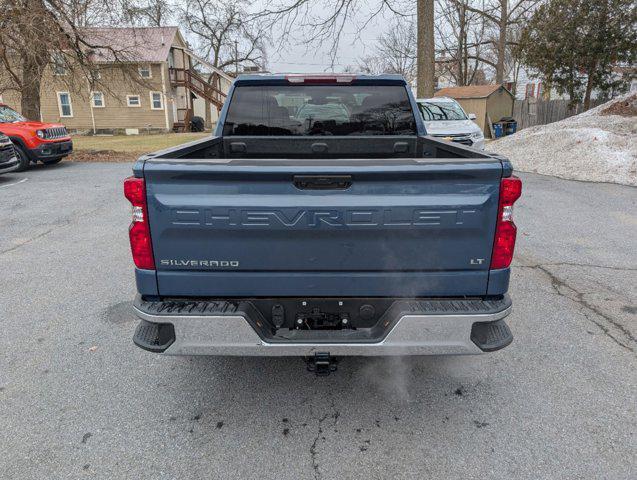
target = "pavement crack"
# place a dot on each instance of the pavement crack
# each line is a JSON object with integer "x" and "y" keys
{"x": 64, "y": 222}
{"x": 313, "y": 454}
{"x": 560, "y": 285}
{"x": 319, "y": 433}
{"x": 575, "y": 264}
{"x": 26, "y": 242}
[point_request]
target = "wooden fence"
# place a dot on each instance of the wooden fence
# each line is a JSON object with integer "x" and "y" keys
{"x": 532, "y": 111}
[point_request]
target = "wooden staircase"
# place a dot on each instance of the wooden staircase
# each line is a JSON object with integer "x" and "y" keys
{"x": 182, "y": 123}
{"x": 194, "y": 82}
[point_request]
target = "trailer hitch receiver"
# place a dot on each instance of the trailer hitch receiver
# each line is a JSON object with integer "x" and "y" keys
{"x": 322, "y": 364}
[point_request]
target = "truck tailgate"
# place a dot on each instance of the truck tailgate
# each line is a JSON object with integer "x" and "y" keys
{"x": 404, "y": 228}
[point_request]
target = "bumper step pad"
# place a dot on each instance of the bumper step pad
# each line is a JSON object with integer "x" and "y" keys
{"x": 491, "y": 336}
{"x": 154, "y": 337}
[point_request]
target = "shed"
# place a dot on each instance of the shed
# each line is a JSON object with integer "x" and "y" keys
{"x": 486, "y": 101}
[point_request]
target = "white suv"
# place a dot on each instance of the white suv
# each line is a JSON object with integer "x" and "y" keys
{"x": 445, "y": 118}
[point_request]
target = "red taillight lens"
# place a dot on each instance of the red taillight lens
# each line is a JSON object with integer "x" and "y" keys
{"x": 139, "y": 233}
{"x": 505, "y": 231}
{"x": 134, "y": 191}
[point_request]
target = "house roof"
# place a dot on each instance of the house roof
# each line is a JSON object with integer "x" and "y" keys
{"x": 131, "y": 44}
{"x": 470, "y": 91}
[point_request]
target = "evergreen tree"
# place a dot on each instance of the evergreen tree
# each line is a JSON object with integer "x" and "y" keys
{"x": 574, "y": 45}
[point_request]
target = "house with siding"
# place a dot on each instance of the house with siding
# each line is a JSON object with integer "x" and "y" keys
{"x": 155, "y": 84}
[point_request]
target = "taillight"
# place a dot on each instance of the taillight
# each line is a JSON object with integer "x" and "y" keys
{"x": 505, "y": 231}
{"x": 139, "y": 233}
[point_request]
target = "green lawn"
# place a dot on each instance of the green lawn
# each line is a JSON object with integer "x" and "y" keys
{"x": 133, "y": 143}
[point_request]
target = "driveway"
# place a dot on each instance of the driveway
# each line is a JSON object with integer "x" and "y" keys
{"x": 78, "y": 400}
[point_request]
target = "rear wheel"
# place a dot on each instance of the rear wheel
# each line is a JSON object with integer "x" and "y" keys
{"x": 52, "y": 161}
{"x": 23, "y": 159}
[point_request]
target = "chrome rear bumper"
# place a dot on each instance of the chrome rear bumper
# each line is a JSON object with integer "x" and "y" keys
{"x": 232, "y": 334}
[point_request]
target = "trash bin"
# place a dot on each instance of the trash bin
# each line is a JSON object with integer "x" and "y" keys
{"x": 498, "y": 129}
{"x": 196, "y": 124}
{"x": 510, "y": 125}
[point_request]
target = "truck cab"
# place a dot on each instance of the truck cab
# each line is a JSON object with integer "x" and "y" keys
{"x": 34, "y": 141}
{"x": 321, "y": 219}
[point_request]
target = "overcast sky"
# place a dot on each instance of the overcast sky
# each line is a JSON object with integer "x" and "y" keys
{"x": 298, "y": 57}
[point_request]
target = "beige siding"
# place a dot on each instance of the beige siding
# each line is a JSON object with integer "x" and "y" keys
{"x": 117, "y": 114}
{"x": 115, "y": 85}
{"x": 477, "y": 106}
{"x": 500, "y": 104}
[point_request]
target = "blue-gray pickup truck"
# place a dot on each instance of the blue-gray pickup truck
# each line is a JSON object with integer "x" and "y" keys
{"x": 320, "y": 220}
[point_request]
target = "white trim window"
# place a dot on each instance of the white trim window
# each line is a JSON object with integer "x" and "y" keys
{"x": 133, "y": 101}
{"x": 97, "y": 100}
{"x": 145, "y": 71}
{"x": 156, "y": 101}
{"x": 64, "y": 104}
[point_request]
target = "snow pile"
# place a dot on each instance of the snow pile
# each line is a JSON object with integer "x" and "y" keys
{"x": 597, "y": 145}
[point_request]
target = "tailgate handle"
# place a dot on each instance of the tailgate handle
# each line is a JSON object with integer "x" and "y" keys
{"x": 322, "y": 182}
{"x": 319, "y": 147}
{"x": 238, "y": 147}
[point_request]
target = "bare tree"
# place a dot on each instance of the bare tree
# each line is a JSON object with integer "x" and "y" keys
{"x": 500, "y": 16}
{"x": 395, "y": 52}
{"x": 322, "y": 22}
{"x": 460, "y": 34}
{"x": 225, "y": 34}
{"x": 85, "y": 13}
{"x": 152, "y": 13}
{"x": 40, "y": 34}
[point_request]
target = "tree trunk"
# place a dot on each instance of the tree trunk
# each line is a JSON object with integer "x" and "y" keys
{"x": 426, "y": 49}
{"x": 502, "y": 41}
{"x": 589, "y": 87}
{"x": 462, "y": 73}
{"x": 573, "y": 99}
{"x": 30, "y": 91}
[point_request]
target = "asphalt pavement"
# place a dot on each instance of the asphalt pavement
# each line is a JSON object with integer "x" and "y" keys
{"x": 79, "y": 400}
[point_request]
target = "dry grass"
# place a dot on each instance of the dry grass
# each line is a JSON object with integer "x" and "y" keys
{"x": 125, "y": 148}
{"x": 626, "y": 107}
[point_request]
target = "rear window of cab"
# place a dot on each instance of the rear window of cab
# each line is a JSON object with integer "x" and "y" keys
{"x": 307, "y": 110}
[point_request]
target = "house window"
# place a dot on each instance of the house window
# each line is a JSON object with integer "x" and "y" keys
{"x": 530, "y": 90}
{"x": 156, "y": 101}
{"x": 133, "y": 101}
{"x": 145, "y": 71}
{"x": 64, "y": 104}
{"x": 97, "y": 99}
{"x": 58, "y": 64}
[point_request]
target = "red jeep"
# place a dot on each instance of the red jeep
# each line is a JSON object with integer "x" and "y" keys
{"x": 34, "y": 141}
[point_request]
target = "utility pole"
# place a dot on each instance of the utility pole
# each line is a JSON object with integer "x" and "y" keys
{"x": 236, "y": 58}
